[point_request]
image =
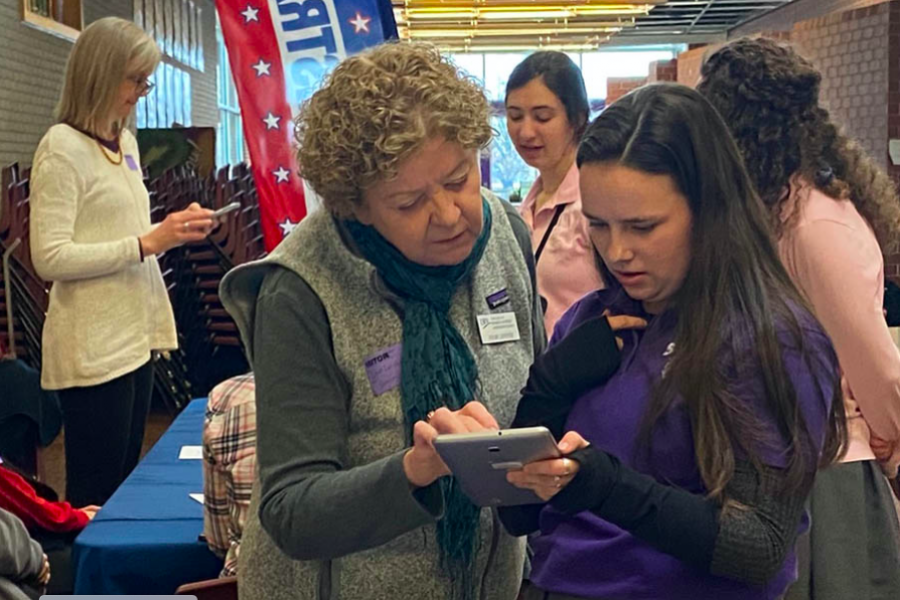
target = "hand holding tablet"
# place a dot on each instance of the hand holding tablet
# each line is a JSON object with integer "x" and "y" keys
{"x": 508, "y": 467}
{"x": 421, "y": 463}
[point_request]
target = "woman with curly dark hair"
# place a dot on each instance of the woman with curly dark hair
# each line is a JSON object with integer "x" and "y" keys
{"x": 831, "y": 206}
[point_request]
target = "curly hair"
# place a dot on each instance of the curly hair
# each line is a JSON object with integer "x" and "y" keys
{"x": 769, "y": 96}
{"x": 375, "y": 110}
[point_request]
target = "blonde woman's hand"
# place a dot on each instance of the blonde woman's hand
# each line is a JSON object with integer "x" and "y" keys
{"x": 192, "y": 224}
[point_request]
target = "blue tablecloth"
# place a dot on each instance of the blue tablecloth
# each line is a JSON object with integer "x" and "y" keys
{"x": 145, "y": 540}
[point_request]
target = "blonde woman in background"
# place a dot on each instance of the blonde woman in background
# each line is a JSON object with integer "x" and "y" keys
{"x": 91, "y": 236}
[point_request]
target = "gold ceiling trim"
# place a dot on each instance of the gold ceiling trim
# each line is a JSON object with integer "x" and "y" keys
{"x": 515, "y": 23}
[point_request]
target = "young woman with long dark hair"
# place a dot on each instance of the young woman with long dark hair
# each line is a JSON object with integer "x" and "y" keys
{"x": 687, "y": 471}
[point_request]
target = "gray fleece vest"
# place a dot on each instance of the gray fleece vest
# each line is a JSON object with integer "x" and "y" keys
{"x": 362, "y": 322}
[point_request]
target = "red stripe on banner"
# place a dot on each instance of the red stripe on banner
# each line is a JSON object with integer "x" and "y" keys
{"x": 253, "y": 51}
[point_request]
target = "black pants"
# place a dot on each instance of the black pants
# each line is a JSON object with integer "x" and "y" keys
{"x": 104, "y": 428}
{"x": 58, "y": 548}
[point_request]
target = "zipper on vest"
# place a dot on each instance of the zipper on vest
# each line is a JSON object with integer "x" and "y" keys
{"x": 327, "y": 580}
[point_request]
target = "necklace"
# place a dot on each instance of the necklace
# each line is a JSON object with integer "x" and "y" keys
{"x": 105, "y": 152}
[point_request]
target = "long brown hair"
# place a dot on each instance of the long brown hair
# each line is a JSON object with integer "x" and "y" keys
{"x": 736, "y": 301}
{"x": 769, "y": 96}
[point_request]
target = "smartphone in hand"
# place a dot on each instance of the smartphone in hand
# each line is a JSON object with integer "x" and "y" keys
{"x": 225, "y": 210}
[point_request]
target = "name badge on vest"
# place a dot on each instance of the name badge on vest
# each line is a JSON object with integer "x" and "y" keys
{"x": 132, "y": 164}
{"x": 383, "y": 369}
{"x": 498, "y": 328}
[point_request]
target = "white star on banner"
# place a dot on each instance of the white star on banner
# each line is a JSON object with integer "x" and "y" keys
{"x": 250, "y": 14}
{"x": 287, "y": 227}
{"x": 262, "y": 68}
{"x": 360, "y": 23}
{"x": 281, "y": 175}
{"x": 271, "y": 121}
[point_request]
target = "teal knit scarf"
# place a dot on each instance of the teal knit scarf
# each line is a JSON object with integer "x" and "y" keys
{"x": 438, "y": 369}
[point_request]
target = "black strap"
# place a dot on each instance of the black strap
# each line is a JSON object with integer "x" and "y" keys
{"x": 553, "y": 222}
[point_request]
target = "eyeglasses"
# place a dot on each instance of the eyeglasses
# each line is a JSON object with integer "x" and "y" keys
{"x": 143, "y": 86}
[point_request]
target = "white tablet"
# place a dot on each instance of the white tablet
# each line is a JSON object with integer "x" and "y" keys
{"x": 480, "y": 461}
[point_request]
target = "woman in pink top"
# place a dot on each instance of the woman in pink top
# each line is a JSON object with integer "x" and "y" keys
{"x": 547, "y": 110}
{"x": 831, "y": 206}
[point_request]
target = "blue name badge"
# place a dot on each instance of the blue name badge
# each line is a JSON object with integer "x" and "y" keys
{"x": 132, "y": 164}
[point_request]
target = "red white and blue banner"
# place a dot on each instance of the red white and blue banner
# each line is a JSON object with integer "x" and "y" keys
{"x": 279, "y": 51}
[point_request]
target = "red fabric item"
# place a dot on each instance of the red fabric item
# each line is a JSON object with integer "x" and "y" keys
{"x": 19, "y": 498}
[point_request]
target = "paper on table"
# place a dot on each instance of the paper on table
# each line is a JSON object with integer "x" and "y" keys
{"x": 191, "y": 453}
{"x": 197, "y": 497}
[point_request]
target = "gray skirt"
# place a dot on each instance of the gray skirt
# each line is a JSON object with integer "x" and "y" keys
{"x": 852, "y": 549}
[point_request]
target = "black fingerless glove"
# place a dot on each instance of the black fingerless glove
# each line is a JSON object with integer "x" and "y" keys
{"x": 597, "y": 474}
{"x": 679, "y": 523}
{"x": 584, "y": 359}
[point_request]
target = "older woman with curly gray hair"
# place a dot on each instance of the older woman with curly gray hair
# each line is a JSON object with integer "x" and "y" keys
{"x": 367, "y": 332}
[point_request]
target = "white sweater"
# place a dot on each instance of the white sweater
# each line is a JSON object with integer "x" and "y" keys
{"x": 108, "y": 309}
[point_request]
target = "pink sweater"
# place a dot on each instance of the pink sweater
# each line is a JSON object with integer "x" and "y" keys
{"x": 834, "y": 259}
{"x": 566, "y": 271}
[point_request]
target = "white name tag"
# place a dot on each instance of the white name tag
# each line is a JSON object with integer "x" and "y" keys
{"x": 498, "y": 328}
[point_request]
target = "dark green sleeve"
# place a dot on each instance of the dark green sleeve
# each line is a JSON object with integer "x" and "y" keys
{"x": 303, "y": 404}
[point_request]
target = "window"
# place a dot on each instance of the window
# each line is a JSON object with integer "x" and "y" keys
{"x": 176, "y": 25}
{"x": 598, "y": 67}
{"x": 63, "y": 19}
{"x": 511, "y": 178}
{"x": 230, "y": 130}
{"x": 471, "y": 64}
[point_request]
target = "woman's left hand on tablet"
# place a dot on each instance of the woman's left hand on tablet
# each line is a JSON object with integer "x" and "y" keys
{"x": 421, "y": 463}
{"x": 547, "y": 477}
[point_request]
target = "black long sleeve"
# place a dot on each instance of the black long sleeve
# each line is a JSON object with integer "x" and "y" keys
{"x": 587, "y": 357}
{"x": 659, "y": 514}
{"x": 747, "y": 544}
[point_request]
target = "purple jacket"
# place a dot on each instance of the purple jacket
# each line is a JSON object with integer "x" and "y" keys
{"x": 586, "y": 556}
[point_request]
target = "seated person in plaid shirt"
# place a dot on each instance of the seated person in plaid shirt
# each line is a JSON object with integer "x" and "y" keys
{"x": 229, "y": 466}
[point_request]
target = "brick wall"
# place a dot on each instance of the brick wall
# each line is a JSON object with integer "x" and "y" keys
{"x": 892, "y": 260}
{"x": 616, "y": 87}
{"x": 689, "y": 63}
{"x": 663, "y": 70}
{"x": 858, "y": 53}
{"x": 894, "y": 82}
{"x": 850, "y": 50}
{"x": 33, "y": 63}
